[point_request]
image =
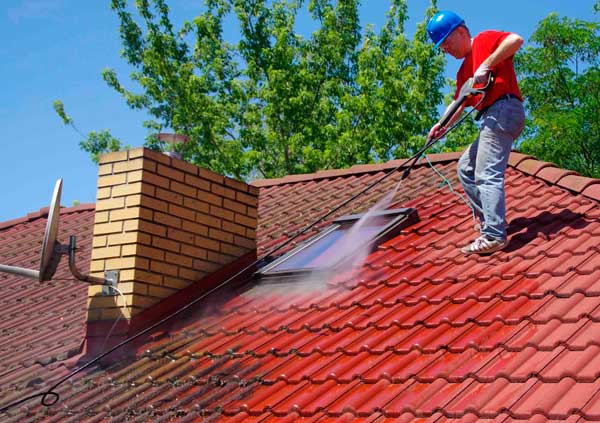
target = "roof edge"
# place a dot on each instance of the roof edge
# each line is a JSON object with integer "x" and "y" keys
{"x": 43, "y": 212}
{"x": 356, "y": 169}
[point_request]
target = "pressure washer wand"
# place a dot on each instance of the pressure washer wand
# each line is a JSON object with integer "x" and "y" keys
{"x": 467, "y": 90}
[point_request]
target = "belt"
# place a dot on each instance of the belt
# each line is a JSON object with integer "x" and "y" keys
{"x": 507, "y": 96}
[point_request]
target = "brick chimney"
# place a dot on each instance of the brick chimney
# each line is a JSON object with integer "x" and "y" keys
{"x": 163, "y": 224}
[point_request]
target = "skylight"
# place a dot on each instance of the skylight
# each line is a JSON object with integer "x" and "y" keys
{"x": 329, "y": 249}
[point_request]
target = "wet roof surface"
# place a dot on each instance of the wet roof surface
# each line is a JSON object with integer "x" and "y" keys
{"x": 418, "y": 332}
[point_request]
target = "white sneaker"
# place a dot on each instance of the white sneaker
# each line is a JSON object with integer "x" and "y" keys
{"x": 484, "y": 245}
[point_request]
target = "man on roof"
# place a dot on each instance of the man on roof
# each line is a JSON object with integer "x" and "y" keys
{"x": 482, "y": 166}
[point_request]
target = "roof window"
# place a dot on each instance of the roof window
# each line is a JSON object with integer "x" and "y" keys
{"x": 342, "y": 241}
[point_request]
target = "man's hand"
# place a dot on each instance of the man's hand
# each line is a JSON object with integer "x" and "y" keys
{"x": 437, "y": 131}
{"x": 482, "y": 74}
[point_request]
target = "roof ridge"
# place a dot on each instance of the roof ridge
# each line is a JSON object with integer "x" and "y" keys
{"x": 549, "y": 172}
{"x": 355, "y": 169}
{"x": 43, "y": 212}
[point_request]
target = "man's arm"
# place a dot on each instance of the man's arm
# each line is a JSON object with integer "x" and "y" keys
{"x": 507, "y": 48}
{"x": 437, "y": 130}
{"x": 456, "y": 114}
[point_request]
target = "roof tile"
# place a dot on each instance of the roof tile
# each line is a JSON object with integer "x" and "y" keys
{"x": 443, "y": 157}
{"x": 553, "y": 174}
{"x": 576, "y": 182}
{"x": 356, "y": 169}
{"x": 592, "y": 191}
{"x": 533, "y": 166}
{"x": 516, "y": 158}
{"x": 418, "y": 333}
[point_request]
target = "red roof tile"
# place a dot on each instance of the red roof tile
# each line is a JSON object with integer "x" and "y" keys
{"x": 41, "y": 324}
{"x": 516, "y": 158}
{"x": 532, "y": 166}
{"x": 577, "y": 183}
{"x": 553, "y": 174}
{"x": 354, "y": 170}
{"x": 592, "y": 191}
{"x": 420, "y": 332}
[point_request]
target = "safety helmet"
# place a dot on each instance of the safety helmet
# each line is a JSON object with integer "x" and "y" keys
{"x": 442, "y": 24}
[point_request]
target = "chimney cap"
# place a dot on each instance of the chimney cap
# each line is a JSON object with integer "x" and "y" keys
{"x": 173, "y": 138}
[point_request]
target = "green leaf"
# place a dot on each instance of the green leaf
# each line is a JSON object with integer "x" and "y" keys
{"x": 59, "y": 108}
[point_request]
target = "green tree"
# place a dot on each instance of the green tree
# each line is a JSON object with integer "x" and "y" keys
{"x": 397, "y": 91}
{"x": 560, "y": 80}
{"x": 276, "y": 102}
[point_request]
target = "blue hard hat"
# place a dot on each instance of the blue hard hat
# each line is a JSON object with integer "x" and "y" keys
{"x": 442, "y": 24}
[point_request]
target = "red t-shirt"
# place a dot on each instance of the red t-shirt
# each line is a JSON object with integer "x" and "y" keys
{"x": 482, "y": 46}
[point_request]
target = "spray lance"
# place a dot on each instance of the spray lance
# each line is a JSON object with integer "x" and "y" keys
{"x": 468, "y": 90}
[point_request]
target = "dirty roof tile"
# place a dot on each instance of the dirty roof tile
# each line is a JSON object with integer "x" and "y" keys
{"x": 419, "y": 333}
{"x": 42, "y": 323}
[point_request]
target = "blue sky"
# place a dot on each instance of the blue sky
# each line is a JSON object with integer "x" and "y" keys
{"x": 56, "y": 49}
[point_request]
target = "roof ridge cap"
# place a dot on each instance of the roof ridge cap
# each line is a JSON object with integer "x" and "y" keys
{"x": 43, "y": 212}
{"x": 78, "y": 208}
{"x": 555, "y": 175}
{"x": 353, "y": 170}
{"x": 548, "y": 172}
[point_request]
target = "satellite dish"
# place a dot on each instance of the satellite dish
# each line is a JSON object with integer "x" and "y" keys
{"x": 52, "y": 251}
{"x": 50, "y": 256}
{"x": 47, "y": 264}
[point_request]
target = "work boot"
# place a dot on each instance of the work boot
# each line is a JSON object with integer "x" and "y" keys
{"x": 484, "y": 245}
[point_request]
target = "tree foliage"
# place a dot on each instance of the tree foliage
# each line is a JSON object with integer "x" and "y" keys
{"x": 95, "y": 143}
{"x": 560, "y": 80}
{"x": 277, "y": 102}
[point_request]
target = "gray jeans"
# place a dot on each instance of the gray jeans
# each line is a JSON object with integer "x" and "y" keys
{"x": 481, "y": 167}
